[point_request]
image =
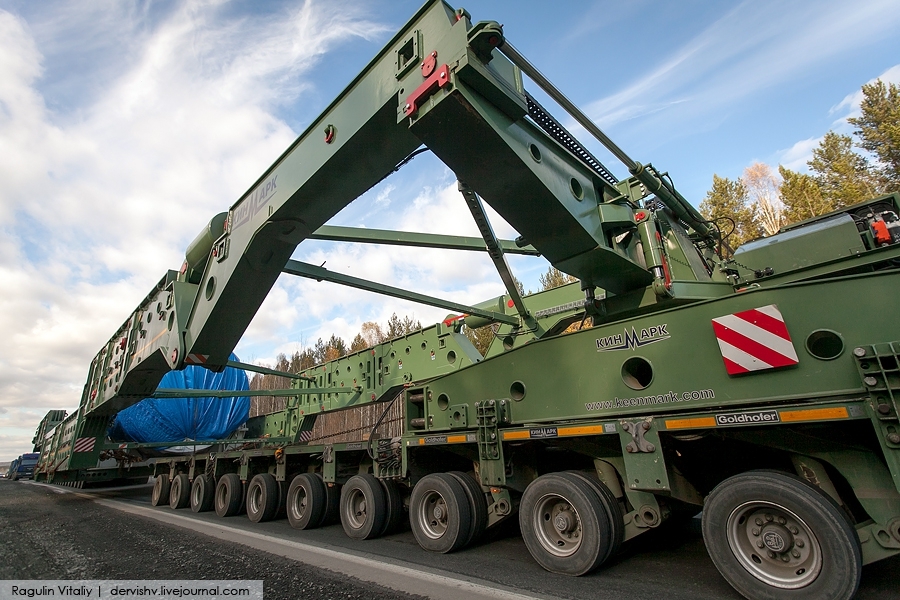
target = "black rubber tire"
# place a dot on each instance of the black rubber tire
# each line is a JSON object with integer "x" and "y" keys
{"x": 732, "y": 513}
{"x": 611, "y": 505}
{"x": 363, "y": 507}
{"x": 262, "y": 498}
{"x": 306, "y": 502}
{"x": 283, "y": 486}
{"x": 203, "y": 490}
{"x": 393, "y": 501}
{"x": 439, "y": 513}
{"x": 333, "y": 504}
{"x": 180, "y": 492}
{"x": 229, "y": 495}
{"x": 556, "y": 496}
{"x": 160, "y": 494}
{"x": 477, "y": 504}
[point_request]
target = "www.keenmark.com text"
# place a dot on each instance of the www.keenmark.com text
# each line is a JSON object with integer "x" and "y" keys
{"x": 667, "y": 398}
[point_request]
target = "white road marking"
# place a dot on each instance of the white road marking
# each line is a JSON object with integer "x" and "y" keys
{"x": 395, "y": 574}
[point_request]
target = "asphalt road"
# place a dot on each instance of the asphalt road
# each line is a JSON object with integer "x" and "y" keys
{"x": 53, "y": 535}
{"x": 47, "y": 534}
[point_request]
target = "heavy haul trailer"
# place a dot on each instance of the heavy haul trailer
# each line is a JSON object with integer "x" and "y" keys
{"x": 760, "y": 388}
{"x": 75, "y": 453}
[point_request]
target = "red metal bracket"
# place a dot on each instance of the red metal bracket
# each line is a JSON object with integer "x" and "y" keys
{"x": 438, "y": 79}
{"x": 451, "y": 320}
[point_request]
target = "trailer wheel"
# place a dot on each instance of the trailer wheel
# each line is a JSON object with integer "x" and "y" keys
{"x": 333, "y": 504}
{"x": 306, "y": 502}
{"x": 611, "y": 505}
{"x": 394, "y": 505}
{"x": 773, "y": 535}
{"x": 564, "y": 524}
{"x": 179, "y": 492}
{"x": 262, "y": 498}
{"x": 363, "y": 508}
{"x": 282, "y": 498}
{"x": 477, "y": 505}
{"x": 229, "y": 497}
{"x": 439, "y": 513}
{"x": 160, "y": 494}
{"x": 202, "y": 492}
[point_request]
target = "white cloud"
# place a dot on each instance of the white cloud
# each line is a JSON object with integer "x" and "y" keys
{"x": 796, "y": 157}
{"x": 754, "y": 46}
{"x": 849, "y": 107}
{"x": 110, "y": 171}
{"x": 383, "y": 199}
{"x": 328, "y": 308}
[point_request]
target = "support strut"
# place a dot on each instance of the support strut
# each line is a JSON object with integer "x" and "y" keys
{"x": 496, "y": 253}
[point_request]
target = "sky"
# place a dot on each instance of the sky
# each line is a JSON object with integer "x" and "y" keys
{"x": 125, "y": 126}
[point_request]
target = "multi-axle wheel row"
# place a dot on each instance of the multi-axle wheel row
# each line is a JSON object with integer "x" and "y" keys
{"x": 770, "y": 534}
{"x": 447, "y": 511}
{"x": 571, "y": 522}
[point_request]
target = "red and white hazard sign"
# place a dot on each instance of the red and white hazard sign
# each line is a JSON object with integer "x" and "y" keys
{"x": 754, "y": 340}
{"x": 196, "y": 359}
{"x": 85, "y": 444}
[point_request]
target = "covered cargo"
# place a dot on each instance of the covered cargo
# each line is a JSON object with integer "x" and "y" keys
{"x": 179, "y": 419}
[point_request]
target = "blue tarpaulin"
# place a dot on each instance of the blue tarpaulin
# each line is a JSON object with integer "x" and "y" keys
{"x": 180, "y": 419}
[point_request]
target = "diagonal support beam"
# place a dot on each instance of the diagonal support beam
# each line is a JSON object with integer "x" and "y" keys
{"x": 179, "y": 393}
{"x": 419, "y": 240}
{"x": 265, "y": 371}
{"x": 496, "y": 253}
{"x": 302, "y": 269}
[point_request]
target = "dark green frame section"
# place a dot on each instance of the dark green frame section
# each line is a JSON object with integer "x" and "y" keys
{"x": 418, "y": 240}
{"x": 302, "y": 269}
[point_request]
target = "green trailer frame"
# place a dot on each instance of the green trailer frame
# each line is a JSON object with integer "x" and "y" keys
{"x": 761, "y": 387}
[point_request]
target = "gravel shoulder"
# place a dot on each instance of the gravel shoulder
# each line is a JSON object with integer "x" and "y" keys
{"x": 49, "y": 535}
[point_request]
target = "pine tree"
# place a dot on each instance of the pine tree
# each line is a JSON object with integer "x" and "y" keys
{"x": 801, "y": 196}
{"x": 410, "y": 325}
{"x": 306, "y": 359}
{"x": 318, "y": 351}
{"x": 358, "y": 343}
{"x": 878, "y": 130}
{"x": 481, "y": 337}
{"x": 394, "y": 327}
{"x": 554, "y": 278}
{"x": 727, "y": 200}
{"x": 520, "y": 286}
{"x": 844, "y": 176}
{"x": 335, "y": 347}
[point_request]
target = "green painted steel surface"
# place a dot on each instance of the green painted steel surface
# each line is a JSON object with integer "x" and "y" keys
{"x": 301, "y": 269}
{"x": 580, "y": 375}
{"x": 618, "y": 372}
{"x": 421, "y": 240}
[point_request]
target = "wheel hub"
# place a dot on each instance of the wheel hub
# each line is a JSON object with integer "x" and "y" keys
{"x": 557, "y": 525}
{"x": 564, "y": 521}
{"x": 774, "y": 544}
{"x": 777, "y": 538}
{"x": 434, "y": 515}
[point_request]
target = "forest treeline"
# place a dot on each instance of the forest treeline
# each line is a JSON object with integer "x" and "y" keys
{"x": 843, "y": 170}
{"x": 370, "y": 334}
